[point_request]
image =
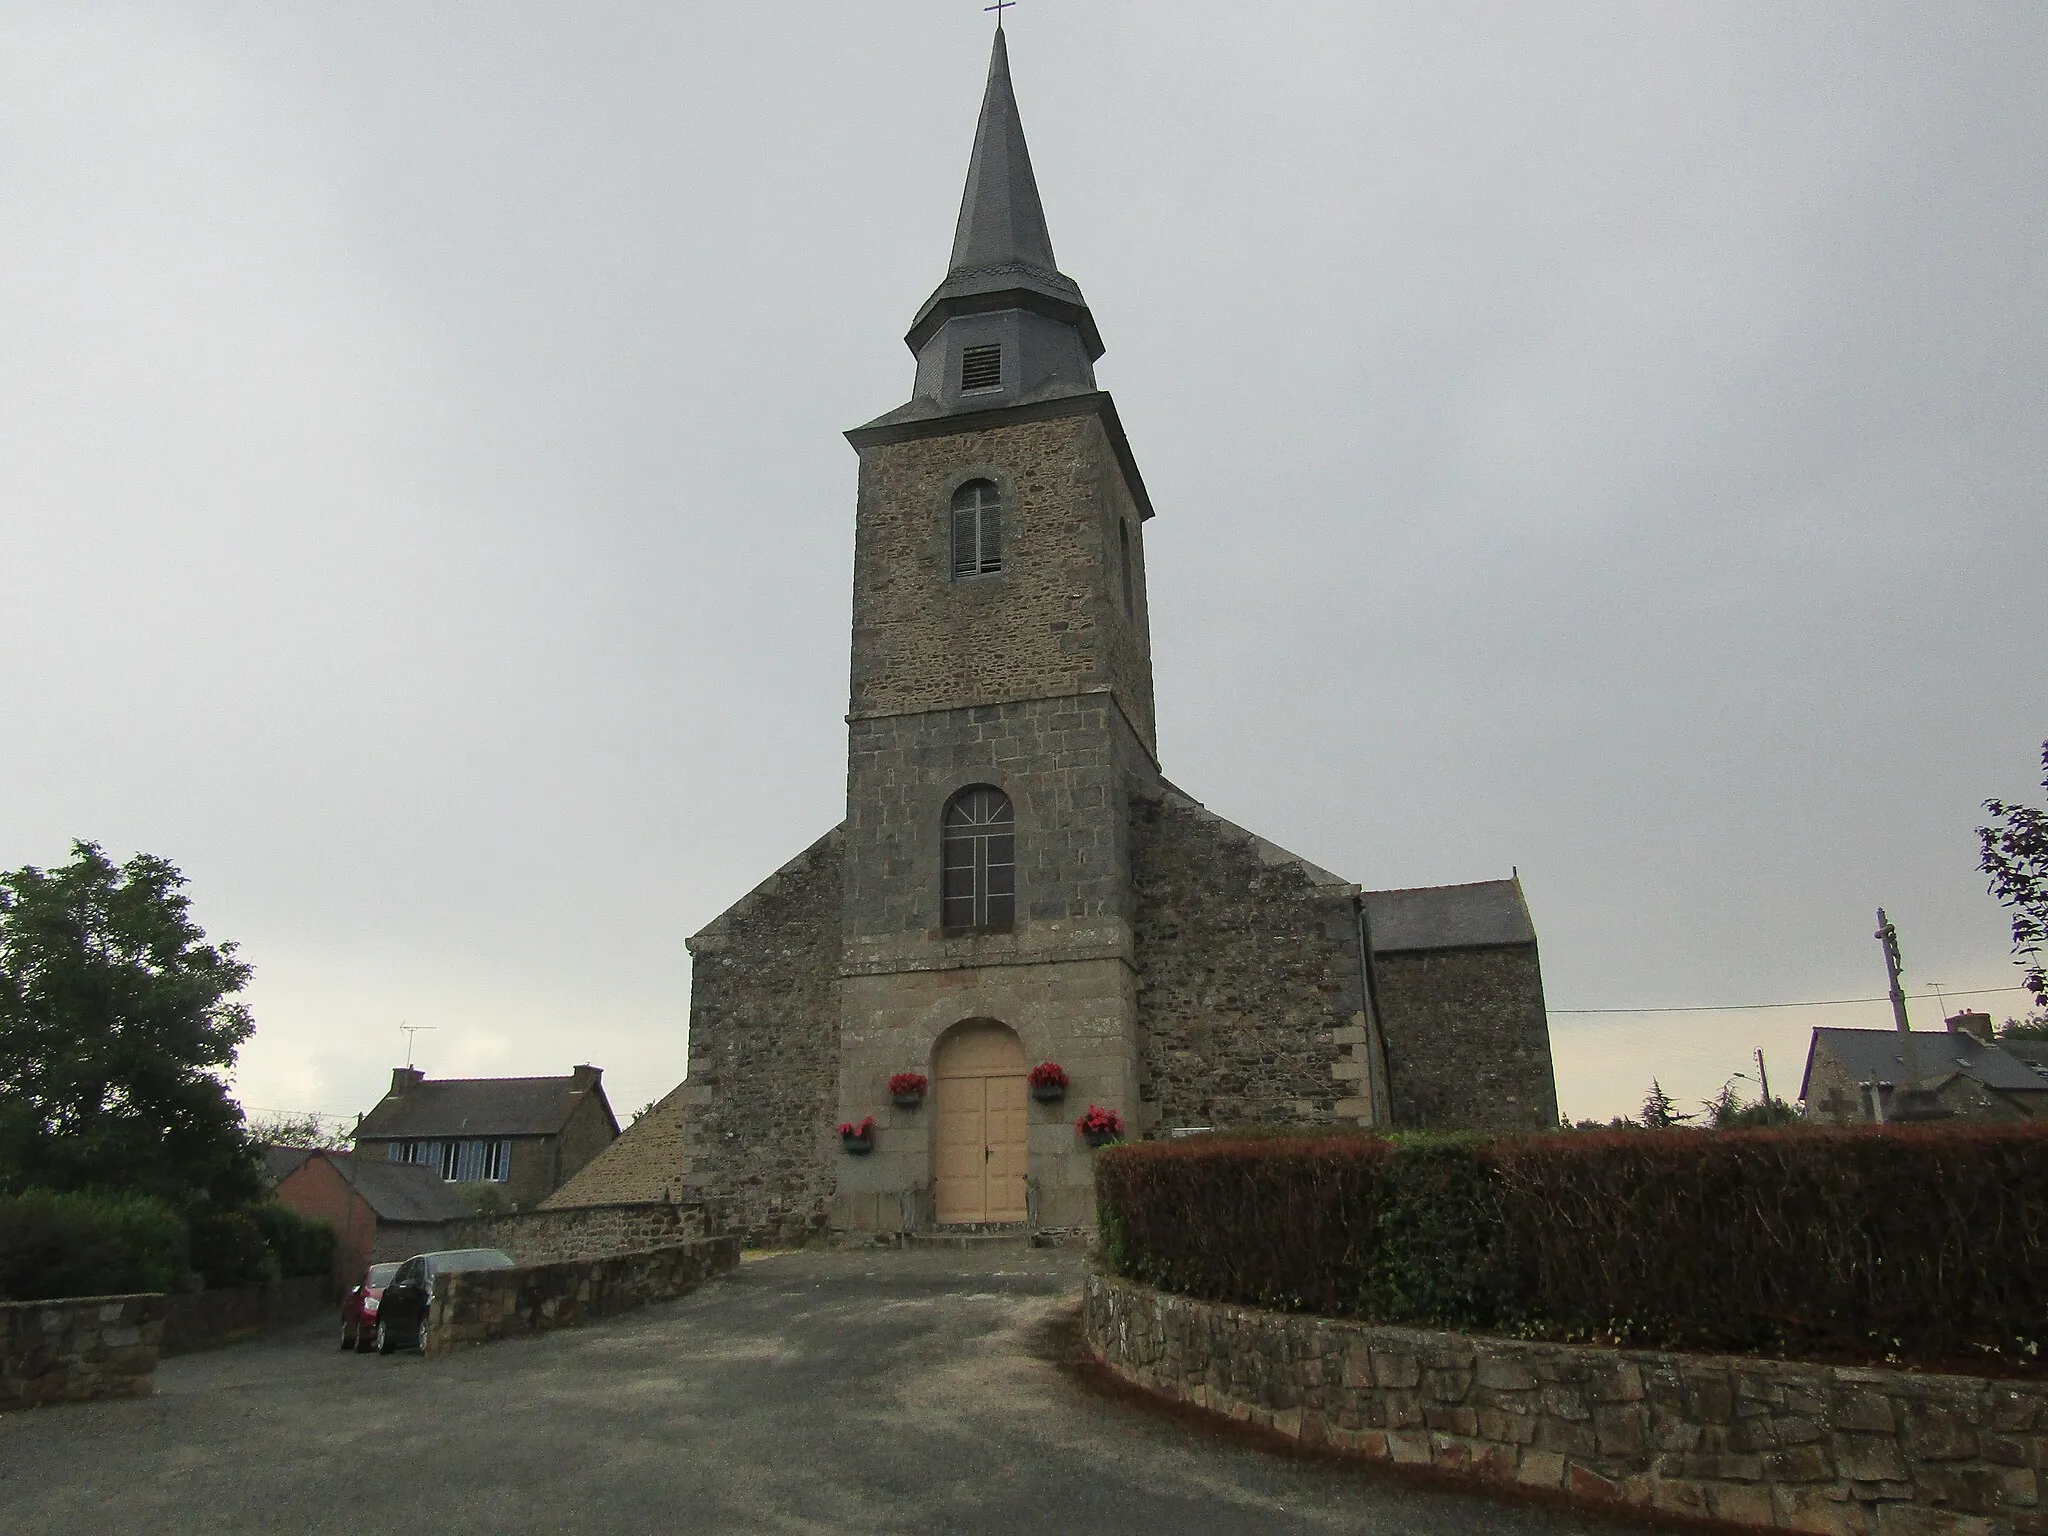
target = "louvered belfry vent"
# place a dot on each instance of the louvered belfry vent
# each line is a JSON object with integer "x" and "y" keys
{"x": 981, "y": 368}
{"x": 977, "y": 529}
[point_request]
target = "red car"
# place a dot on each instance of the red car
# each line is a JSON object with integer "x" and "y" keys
{"x": 359, "y": 1311}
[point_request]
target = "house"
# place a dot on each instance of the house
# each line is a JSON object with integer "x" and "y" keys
{"x": 526, "y": 1135}
{"x": 1016, "y": 881}
{"x": 1858, "y": 1076}
{"x": 379, "y": 1210}
{"x": 279, "y": 1163}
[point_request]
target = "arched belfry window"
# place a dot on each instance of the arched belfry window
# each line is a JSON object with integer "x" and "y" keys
{"x": 977, "y": 529}
{"x": 1123, "y": 534}
{"x": 980, "y": 860}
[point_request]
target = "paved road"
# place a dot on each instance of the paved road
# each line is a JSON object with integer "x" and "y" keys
{"x": 841, "y": 1392}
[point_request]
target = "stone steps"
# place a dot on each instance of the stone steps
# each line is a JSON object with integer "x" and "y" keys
{"x": 971, "y": 1238}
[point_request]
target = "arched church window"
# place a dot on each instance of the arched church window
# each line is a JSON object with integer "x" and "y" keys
{"x": 1123, "y": 535}
{"x": 979, "y": 854}
{"x": 977, "y": 529}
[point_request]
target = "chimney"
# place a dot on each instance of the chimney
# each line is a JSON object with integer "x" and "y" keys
{"x": 1976, "y": 1025}
{"x": 587, "y": 1078}
{"x": 403, "y": 1078}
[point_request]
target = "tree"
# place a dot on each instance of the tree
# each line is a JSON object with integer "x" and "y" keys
{"x": 2033, "y": 1027}
{"x": 116, "y": 1017}
{"x": 306, "y": 1128}
{"x": 2015, "y": 856}
{"x": 1727, "y": 1112}
{"x": 1659, "y": 1113}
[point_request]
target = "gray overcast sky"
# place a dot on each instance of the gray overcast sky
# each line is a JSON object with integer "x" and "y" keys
{"x": 1604, "y": 440}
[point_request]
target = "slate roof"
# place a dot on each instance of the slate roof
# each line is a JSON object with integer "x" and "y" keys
{"x": 280, "y": 1162}
{"x": 1878, "y": 1055}
{"x": 475, "y": 1106}
{"x": 1001, "y": 245}
{"x": 401, "y": 1192}
{"x": 1485, "y": 914}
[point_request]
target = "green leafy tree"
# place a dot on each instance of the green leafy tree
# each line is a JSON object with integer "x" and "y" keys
{"x": 298, "y": 1128}
{"x": 2015, "y": 855}
{"x": 1727, "y": 1112}
{"x": 2033, "y": 1027}
{"x": 116, "y": 1019}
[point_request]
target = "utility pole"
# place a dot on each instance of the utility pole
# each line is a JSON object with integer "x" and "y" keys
{"x": 1763, "y": 1077}
{"x": 1888, "y": 937}
{"x": 1911, "y": 1101}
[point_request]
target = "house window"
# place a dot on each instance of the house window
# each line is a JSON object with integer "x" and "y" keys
{"x": 1123, "y": 536}
{"x": 460, "y": 1162}
{"x": 981, "y": 368}
{"x": 977, "y": 529}
{"x": 465, "y": 1162}
{"x": 979, "y": 854}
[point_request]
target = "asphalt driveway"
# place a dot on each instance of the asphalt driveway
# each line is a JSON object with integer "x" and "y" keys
{"x": 840, "y": 1392}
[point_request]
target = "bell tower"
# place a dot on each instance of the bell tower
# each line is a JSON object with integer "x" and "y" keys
{"x": 1000, "y": 717}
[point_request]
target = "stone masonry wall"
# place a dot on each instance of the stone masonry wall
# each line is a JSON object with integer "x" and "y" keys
{"x": 1051, "y": 623}
{"x": 78, "y": 1350}
{"x": 1251, "y": 998}
{"x": 1062, "y": 762}
{"x": 581, "y": 1232}
{"x": 1467, "y": 1039}
{"x": 1835, "y": 1450}
{"x": 764, "y": 1053}
{"x": 481, "y": 1305}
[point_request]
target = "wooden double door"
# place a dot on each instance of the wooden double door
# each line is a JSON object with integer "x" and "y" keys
{"x": 983, "y": 1152}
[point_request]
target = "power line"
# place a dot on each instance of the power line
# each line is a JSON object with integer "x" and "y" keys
{"x": 1825, "y": 1002}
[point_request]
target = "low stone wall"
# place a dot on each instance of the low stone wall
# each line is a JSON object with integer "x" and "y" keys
{"x": 581, "y": 1232}
{"x": 1837, "y": 1450}
{"x": 204, "y": 1319}
{"x": 79, "y": 1349}
{"x": 482, "y": 1305}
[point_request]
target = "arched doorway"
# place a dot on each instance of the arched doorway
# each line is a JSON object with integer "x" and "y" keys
{"x": 983, "y": 1152}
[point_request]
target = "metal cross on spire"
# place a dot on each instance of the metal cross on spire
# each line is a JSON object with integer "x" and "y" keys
{"x": 999, "y": 7}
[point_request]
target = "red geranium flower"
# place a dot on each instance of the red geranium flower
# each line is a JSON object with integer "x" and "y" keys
{"x": 1047, "y": 1074}
{"x": 906, "y": 1082}
{"x": 1100, "y": 1122}
{"x": 865, "y": 1128}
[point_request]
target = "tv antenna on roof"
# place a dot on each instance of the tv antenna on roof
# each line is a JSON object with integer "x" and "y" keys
{"x": 409, "y": 1030}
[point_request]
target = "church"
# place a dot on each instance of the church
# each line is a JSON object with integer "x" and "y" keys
{"x": 1016, "y": 884}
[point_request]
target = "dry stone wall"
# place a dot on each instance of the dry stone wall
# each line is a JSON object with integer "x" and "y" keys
{"x": 481, "y": 1305}
{"x": 1251, "y": 995}
{"x": 1834, "y": 1450}
{"x": 78, "y": 1350}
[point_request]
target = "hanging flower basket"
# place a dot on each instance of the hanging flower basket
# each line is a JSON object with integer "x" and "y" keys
{"x": 907, "y": 1089}
{"x": 857, "y": 1139}
{"x": 1099, "y": 1127}
{"x": 1048, "y": 1082}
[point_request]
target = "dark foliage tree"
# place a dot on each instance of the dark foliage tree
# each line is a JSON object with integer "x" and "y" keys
{"x": 116, "y": 1017}
{"x": 1659, "y": 1112}
{"x": 2015, "y": 856}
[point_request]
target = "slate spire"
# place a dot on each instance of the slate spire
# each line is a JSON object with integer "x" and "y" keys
{"x": 1002, "y": 252}
{"x": 1002, "y": 221}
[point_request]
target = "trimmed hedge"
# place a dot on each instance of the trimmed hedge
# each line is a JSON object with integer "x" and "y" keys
{"x": 1920, "y": 1243}
{"x": 54, "y": 1245}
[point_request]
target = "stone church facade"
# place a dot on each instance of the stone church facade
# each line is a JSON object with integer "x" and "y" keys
{"x": 1015, "y": 881}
